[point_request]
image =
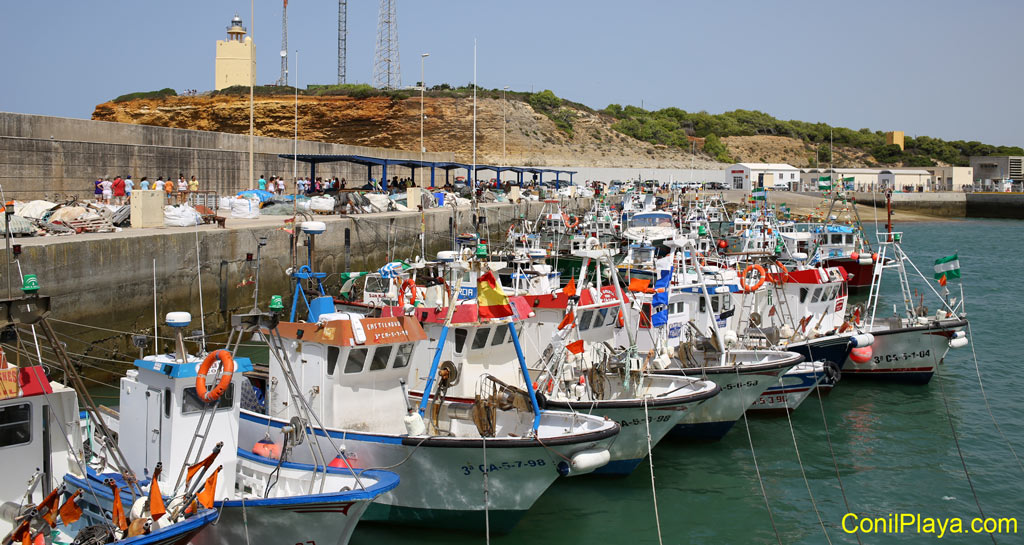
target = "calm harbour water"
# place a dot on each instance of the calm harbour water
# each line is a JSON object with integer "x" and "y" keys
{"x": 893, "y": 443}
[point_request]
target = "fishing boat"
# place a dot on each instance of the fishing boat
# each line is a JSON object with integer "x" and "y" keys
{"x": 43, "y": 449}
{"x": 473, "y": 451}
{"x": 168, "y": 411}
{"x": 794, "y": 386}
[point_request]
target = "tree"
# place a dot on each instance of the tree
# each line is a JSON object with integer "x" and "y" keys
{"x": 714, "y": 147}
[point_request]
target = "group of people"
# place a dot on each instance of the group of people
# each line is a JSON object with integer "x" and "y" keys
{"x": 119, "y": 190}
{"x": 303, "y": 186}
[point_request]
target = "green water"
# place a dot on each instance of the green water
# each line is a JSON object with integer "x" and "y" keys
{"x": 893, "y": 443}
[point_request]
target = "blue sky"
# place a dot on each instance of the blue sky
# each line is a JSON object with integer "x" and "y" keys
{"x": 938, "y": 68}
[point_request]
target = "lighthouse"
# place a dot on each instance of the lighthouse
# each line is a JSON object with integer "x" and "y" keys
{"x": 234, "y": 64}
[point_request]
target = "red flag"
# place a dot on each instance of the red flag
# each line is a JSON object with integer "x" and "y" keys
{"x": 942, "y": 280}
{"x": 639, "y": 285}
{"x": 117, "y": 513}
{"x": 570, "y": 288}
{"x": 575, "y": 347}
{"x": 567, "y": 320}
{"x": 50, "y": 504}
{"x": 70, "y": 512}
{"x": 491, "y": 300}
{"x": 209, "y": 489}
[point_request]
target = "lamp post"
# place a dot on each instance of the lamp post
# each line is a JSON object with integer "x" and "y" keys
{"x": 504, "y": 124}
{"x": 423, "y": 86}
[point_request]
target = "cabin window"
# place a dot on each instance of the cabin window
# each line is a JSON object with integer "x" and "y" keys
{"x": 355, "y": 361}
{"x": 849, "y": 239}
{"x": 460, "y": 340}
{"x": 599, "y": 317}
{"x": 402, "y": 355}
{"x": 803, "y": 295}
{"x": 16, "y": 425}
{"x": 377, "y": 284}
{"x": 500, "y": 333}
{"x": 585, "y": 320}
{"x": 167, "y": 402}
{"x": 611, "y": 317}
{"x": 817, "y": 295}
{"x": 645, "y": 315}
{"x": 480, "y": 338}
{"x": 333, "y": 353}
{"x": 702, "y": 305}
{"x": 192, "y": 404}
{"x": 380, "y": 358}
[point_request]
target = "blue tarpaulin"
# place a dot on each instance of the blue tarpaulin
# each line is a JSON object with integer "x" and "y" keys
{"x": 260, "y": 194}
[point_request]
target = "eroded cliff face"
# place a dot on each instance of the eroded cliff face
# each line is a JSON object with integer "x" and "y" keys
{"x": 530, "y": 138}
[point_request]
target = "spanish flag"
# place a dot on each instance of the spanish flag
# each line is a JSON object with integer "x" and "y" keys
{"x": 491, "y": 299}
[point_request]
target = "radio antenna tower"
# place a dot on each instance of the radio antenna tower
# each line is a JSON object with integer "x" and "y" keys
{"x": 387, "y": 73}
{"x": 342, "y": 38}
{"x": 283, "y": 80}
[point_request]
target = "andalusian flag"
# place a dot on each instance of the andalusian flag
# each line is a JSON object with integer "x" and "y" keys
{"x": 490, "y": 298}
{"x": 825, "y": 182}
{"x": 946, "y": 268}
{"x": 758, "y": 194}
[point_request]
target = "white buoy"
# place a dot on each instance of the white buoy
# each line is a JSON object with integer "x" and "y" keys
{"x": 958, "y": 342}
{"x": 862, "y": 339}
{"x": 588, "y": 460}
{"x": 414, "y": 423}
{"x": 313, "y": 227}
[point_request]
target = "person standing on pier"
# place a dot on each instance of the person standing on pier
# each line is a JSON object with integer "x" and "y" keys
{"x": 193, "y": 187}
{"x": 97, "y": 187}
{"x": 107, "y": 187}
{"x": 262, "y": 184}
{"x": 169, "y": 190}
{"x": 118, "y": 188}
{"x": 129, "y": 186}
{"x": 182, "y": 189}
{"x": 144, "y": 184}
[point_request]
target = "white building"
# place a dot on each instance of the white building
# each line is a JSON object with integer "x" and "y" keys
{"x": 952, "y": 178}
{"x": 753, "y": 175}
{"x": 907, "y": 181}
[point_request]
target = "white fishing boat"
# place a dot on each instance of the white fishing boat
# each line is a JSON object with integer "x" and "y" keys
{"x": 907, "y": 347}
{"x": 476, "y": 449}
{"x": 167, "y": 411}
{"x": 793, "y": 387}
{"x": 43, "y": 452}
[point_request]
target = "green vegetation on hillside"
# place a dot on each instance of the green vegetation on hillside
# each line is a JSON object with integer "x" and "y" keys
{"x": 670, "y": 126}
{"x": 162, "y": 93}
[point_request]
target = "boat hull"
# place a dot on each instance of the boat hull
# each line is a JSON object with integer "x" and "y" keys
{"x": 443, "y": 478}
{"x": 861, "y": 274}
{"x": 906, "y": 354}
{"x": 794, "y": 387}
{"x": 741, "y": 385}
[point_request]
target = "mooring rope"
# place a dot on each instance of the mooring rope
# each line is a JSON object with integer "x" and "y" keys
{"x": 956, "y": 441}
{"x": 988, "y": 407}
{"x": 757, "y": 470}
{"x": 487, "y": 497}
{"x": 803, "y": 473}
{"x": 650, "y": 460}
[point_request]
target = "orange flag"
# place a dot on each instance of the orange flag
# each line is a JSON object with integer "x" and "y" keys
{"x": 70, "y": 512}
{"x": 156, "y": 501}
{"x": 192, "y": 470}
{"x": 117, "y": 513}
{"x": 568, "y": 320}
{"x": 209, "y": 489}
{"x": 942, "y": 280}
{"x": 50, "y": 504}
{"x": 22, "y": 533}
{"x": 570, "y": 288}
{"x": 575, "y": 347}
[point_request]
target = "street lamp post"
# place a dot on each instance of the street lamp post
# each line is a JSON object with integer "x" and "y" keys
{"x": 504, "y": 124}
{"x": 423, "y": 86}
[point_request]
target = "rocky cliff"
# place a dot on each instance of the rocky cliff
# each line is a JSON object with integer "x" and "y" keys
{"x": 530, "y": 138}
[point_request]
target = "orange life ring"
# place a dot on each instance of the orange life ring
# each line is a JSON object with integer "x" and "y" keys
{"x": 570, "y": 224}
{"x": 743, "y": 278}
{"x": 411, "y": 285}
{"x": 227, "y": 365}
{"x": 781, "y": 277}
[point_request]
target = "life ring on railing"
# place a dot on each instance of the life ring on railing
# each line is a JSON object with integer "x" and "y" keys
{"x": 781, "y": 277}
{"x": 227, "y": 365}
{"x": 411, "y": 285}
{"x": 743, "y": 278}
{"x": 570, "y": 224}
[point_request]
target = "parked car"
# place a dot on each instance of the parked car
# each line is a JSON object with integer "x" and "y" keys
{"x": 715, "y": 185}
{"x": 780, "y": 186}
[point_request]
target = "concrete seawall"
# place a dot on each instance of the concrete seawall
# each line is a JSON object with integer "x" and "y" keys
{"x": 955, "y": 205}
{"x": 42, "y": 156}
{"x": 106, "y": 280}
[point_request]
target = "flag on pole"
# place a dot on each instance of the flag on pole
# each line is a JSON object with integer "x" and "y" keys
{"x": 70, "y": 512}
{"x": 491, "y": 300}
{"x": 946, "y": 268}
{"x": 824, "y": 182}
{"x": 575, "y": 347}
{"x": 759, "y": 194}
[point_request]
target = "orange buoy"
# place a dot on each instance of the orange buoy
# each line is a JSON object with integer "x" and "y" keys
{"x": 267, "y": 449}
{"x": 861, "y": 354}
{"x": 338, "y": 461}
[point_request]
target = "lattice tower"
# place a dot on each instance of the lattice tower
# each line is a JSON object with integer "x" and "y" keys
{"x": 283, "y": 80}
{"x": 342, "y": 38}
{"x": 387, "y": 73}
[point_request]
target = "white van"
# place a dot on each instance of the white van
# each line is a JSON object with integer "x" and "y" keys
{"x": 780, "y": 186}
